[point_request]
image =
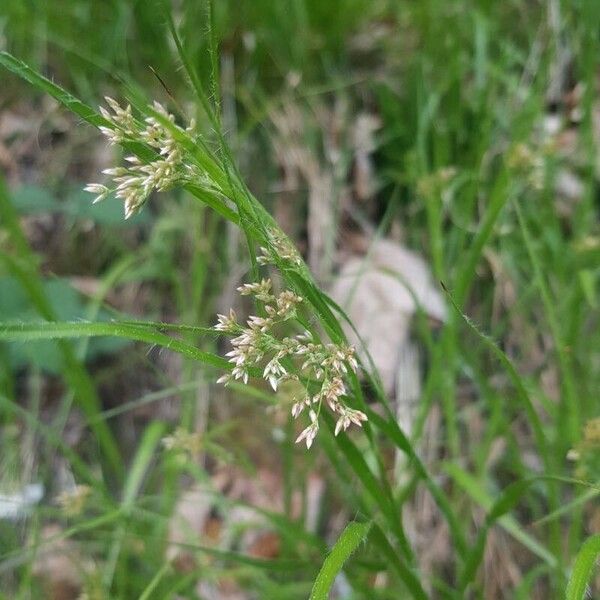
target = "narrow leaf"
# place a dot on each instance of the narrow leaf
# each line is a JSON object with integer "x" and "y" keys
{"x": 345, "y": 546}
{"x": 582, "y": 568}
{"x": 24, "y": 71}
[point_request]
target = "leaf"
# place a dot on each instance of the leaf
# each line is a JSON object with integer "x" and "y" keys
{"x": 582, "y": 568}
{"x": 533, "y": 418}
{"x": 346, "y": 545}
{"x": 130, "y": 330}
{"x": 25, "y": 270}
{"x": 23, "y": 70}
{"x": 394, "y": 433}
{"x": 507, "y": 501}
{"x": 380, "y": 494}
{"x": 31, "y": 199}
{"x": 133, "y": 484}
{"x": 497, "y": 512}
{"x": 66, "y": 303}
{"x": 408, "y": 577}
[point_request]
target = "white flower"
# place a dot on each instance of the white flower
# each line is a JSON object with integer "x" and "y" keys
{"x": 327, "y": 364}
{"x": 309, "y": 434}
{"x": 100, "y": 190}
{"x": 137, "y": 181}
{"x": 262, "y": 290}
{"x": 297, "y": 408}
{"x": 274, "y": 372}
{"x": 227, "y": 323}
{"x": 349, "y": 416}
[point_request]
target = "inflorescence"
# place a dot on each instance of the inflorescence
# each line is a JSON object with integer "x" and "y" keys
{"x": 136, "y": 181}
{"x": 281, "y": 249}
{"x": 324, "y": 366}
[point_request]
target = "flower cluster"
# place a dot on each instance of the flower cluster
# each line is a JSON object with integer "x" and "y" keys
{"x": 587, "y": 452}
{"x": 528, "y": 162}
{"x": 135, "y": 182}
{"x": 73, "y": 501}
{"x": 436, "y": 183}
{"x": 322, "y": 366}
{"x": 183, "y": 441}
{"x": 281, "y": 248}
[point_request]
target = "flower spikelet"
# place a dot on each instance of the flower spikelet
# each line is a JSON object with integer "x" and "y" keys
{"x": 320, "y": 367}
{"x": 134, "y": 182}
{"x": 281, "y": 248}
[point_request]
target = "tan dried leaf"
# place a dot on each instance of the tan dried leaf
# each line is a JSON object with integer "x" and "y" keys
{"x": 381, "y": 292}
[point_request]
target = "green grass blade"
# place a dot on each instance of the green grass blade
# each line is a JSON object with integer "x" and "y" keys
{"x": 24, "y": 269}
{"x": 350, "y": 539}
{"x": 378, "y": 492}
{"x": 396, "y": 435}
{"x": 570, "y": 402}
{"x": 147, "y": 593}
{"x": 133, "y": 483}
{"x": 78, "y": 465}
{"x": 24, "y": 71}
{"x": 470, "y": 485}
{"x": 570, "y": 506}
{"x": 10, "y": 559}
{"x": 534, "y": 420}
{"x": 499, "y": 197}
{"x": 141, "y": 463}
{"x": 582, "y": 569}
{"x": 52, "y": 330}
{"x": 505, "y": 503}
{"x": 407, "y": 576}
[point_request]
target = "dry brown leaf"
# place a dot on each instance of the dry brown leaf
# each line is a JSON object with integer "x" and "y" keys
{"x": 380, "y": 293}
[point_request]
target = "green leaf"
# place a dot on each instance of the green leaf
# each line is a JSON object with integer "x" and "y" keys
{"x": 23, "y": 70}
{"x": 497, "y": 512}
{"x": 24, "y": 268}
{"x": 377, "y": 491}
{"x": 66, "y": 304}
{"x": 507, "y": 501}
{"x": 533, "y": 418}
{"x": 31, "y": 199}
{"x": 582, "y": 568}
{"x": 407, "y": 576}
{"x": 131, "y": 330}
{"x": 396, "y": 435}
{"x": 133, "y": 484}
{"x": 345, "y": 546}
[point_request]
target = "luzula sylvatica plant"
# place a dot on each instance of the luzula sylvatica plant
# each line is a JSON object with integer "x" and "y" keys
{"x": 522, "y": 219}
{"x": 295, "y": 331}
{"x": 322, "y": 367}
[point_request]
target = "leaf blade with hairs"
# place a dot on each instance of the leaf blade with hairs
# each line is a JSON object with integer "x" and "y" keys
{"x": 582, "y": 568}
{"x": 346, "y": 545}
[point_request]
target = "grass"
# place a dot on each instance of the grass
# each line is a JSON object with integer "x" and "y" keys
{"x": 463, "y": 168}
